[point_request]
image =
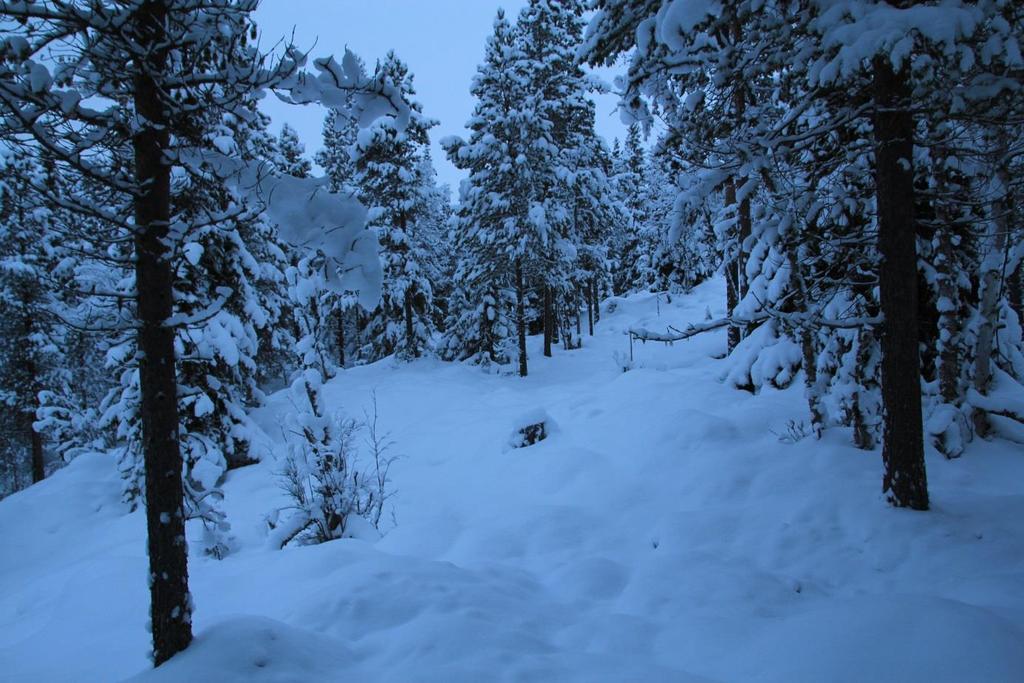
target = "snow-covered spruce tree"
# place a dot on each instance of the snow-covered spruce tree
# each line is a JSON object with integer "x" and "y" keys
{"x": 633, "y": 246}
{"x": 229, "y": 293}
{"x": 678, "y": 244}
{"x": 30, "y": 342}
{"x": 337, "y": 158}
{"x": 482, "y": 314}
{"x": 552, "y": 119}
{"x": 50, "y": 292}
{"x": 592, "y": 209}
{"x": 924, "y": 45}
{"x": 389, "y": 180}
{"x": 434, "y": 237}
{"x": 712, "y": 99}
{"x": 825, "y": 70}
{"x": 292, "y": 154}
{"x": 155, "y": 64}
{"x": 340, "y": 134}
{"x": 537, "y": 206}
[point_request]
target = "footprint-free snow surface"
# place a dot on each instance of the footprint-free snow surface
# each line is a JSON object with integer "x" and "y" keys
{"x": 662, "y": 532}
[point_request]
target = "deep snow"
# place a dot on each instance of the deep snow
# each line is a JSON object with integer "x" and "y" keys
{"x": 661, "y": 533}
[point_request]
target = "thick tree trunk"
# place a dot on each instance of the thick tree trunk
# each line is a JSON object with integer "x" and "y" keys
{"x": 521, "y": 318}
{"x": 905, "y": 479}
{"x": 170, "y": 610}
{"x": 549, "y": 322}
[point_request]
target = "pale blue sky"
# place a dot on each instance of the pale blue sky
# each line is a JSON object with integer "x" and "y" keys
{"x": 441, "y": 40}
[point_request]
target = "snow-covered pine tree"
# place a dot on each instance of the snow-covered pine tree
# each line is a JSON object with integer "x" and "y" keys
{"x": 337, "y": 159}
{"x": 389, "y": 180}
{"x": 678, "y": 245}
{"x": 793, "y": 81}
{"x": 633, "y": 247}
{"x": 551, "y": 124}
{"x": 292, "y": 154}
{"x": 156, "y": 64}
{"x": 482, "y": 313}
{"x": 30, "y": 353}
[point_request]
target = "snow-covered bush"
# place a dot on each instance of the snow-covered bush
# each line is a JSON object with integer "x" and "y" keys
{"x": 333, "y": 491}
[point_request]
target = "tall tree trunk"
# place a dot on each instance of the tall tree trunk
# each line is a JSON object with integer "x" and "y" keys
{"x": 521, "y": 317}
{"x": 38, "y": 463}
{"x": 597, "y": 301}
{"x": 903, "y": 442}
{"x": 588, "y": 295}
{"x": 732, "y": 276}
{"x": 949, "y": 314}
{"x": 35, "y": 438}
{"x": 991, "y": 284}
{"x": 170, "y": 610}
{"x": 340, "y": 339}
{"x": 549, "y": 322}
{"x": 410, "y": 335}
{"x": 579, "y": 320}
{"x": 744, "y": 223}
{"x": 1015, "y": 293}
{"x": 863, "y": 434}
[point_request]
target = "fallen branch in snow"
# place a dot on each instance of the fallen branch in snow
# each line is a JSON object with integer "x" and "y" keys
{"x": 795, "y": 319}
{"x": 675, "y": 334}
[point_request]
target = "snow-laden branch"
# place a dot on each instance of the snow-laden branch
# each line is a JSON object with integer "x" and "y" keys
{"x": 794, "y": 319}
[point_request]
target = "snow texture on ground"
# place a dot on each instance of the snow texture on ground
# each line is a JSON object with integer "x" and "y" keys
{"x": 661, "y": 533}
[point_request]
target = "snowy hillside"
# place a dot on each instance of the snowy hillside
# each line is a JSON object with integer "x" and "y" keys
{"x": 663, "y": 532}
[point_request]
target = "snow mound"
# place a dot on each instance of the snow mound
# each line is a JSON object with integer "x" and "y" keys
{"x": 254, "y": 650}
{"x": 664, "y": 534}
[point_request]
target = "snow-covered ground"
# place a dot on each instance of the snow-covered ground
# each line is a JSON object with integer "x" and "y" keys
{"x": 662, "y": 533}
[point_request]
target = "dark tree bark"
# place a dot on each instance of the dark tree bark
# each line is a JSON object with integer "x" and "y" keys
{"x": 340, "y": 340}
{"x": 1015, "y": 293}
{"x": 411, "y": 350}
{"x": 863, "y": 436}
{"x": 549, "y": 322}
{"x": 732, "y": 277}
{"x": 170, "y": 610}
{"x": 521, "y": 318}
{"x": 905, "y": 479}
{"x": 38, "y": 463}
{"x": 35, "y": 438}
{"x": 410, "y": 335}
{"x": 579, "y": 322}
{"x": 588, "y": 295}
{"x": 597, "y": 301}
{"x": 949, "y": 323}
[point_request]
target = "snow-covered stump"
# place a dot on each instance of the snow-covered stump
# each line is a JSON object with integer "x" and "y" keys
{"x": 532, "y": 428}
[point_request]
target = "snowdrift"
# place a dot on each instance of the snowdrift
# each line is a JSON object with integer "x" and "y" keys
{"x": 664, "y": 534}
